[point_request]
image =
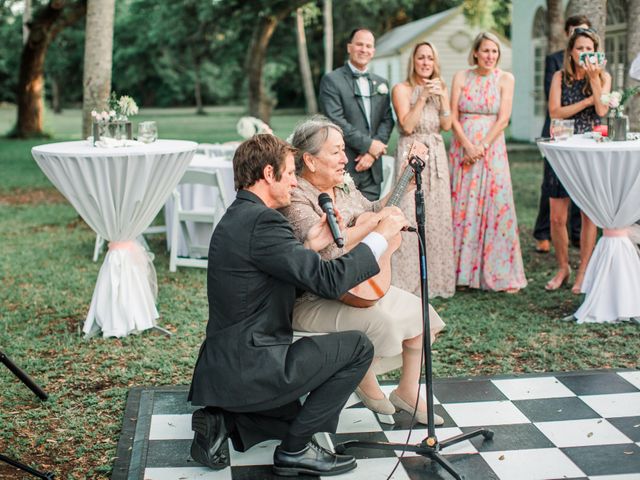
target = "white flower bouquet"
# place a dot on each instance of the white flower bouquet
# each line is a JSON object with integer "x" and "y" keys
{"x": 114, "y": 122}
{"x": 616, "y": 99}
{"x": 247, "y": 127}
{"x": 120, "y": 109}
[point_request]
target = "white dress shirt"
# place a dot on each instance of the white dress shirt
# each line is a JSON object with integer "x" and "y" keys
{"x": 365, "y": 91}
{"x": 377, "y": 243}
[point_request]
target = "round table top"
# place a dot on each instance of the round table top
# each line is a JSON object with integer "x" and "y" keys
{"x": 585, "y": 143}
{"x": 84, "y": 148}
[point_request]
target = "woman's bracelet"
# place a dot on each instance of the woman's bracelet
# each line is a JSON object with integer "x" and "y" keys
{"x": 445, "y": 113}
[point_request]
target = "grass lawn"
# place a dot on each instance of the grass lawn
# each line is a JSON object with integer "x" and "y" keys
{"x": 48, "y": 278}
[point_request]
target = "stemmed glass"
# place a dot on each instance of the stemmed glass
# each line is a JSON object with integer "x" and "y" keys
{"x": 147, "y": 132}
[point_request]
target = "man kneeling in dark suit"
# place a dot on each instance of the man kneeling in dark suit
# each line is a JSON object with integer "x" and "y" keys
{"x": 249, "y": 374}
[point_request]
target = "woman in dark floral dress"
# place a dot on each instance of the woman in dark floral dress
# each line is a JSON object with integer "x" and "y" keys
{"x": 575, "y": 94}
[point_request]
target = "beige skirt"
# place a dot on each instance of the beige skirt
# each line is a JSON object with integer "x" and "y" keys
{"x": 394, "y": 318}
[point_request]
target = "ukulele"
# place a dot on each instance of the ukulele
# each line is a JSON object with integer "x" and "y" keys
{"x": 373, "y": 289}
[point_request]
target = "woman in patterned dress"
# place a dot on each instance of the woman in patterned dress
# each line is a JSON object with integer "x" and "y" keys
{"x": 421, "y": 104}
{"x": 575, "y": 94}
{"x": 485, "y": 227}
{"x": 394, "y": 323}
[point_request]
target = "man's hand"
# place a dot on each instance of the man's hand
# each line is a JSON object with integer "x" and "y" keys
{"x": 391, "y": 223}
{"x": 364, "y": 162}
{"x": 319, "y": 236}
{"x": 377, "y": 148}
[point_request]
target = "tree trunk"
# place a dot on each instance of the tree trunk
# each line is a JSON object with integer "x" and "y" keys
{"x": 197, "y": 88}
{"x": 26, "y": 19}
{"x": 31, "y": 84}
{"x": 98, "y": 56}
{"x": 260, "y": 105}
{"x": 555, "y": 20}
{"x": 55, "y": 96}
{"x": 49, "y": 21}
{"x": 305, "y": 68}
{"x": 633, "y": 50}
{"x": 595, "y": 10}
{"x": 327, "y": 16}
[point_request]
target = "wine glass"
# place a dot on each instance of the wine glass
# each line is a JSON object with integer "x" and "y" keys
{"x": 147, "y": 132}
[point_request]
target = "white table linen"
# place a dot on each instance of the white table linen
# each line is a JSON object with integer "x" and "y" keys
{"x": 118, "y": 192}
{"x": 201, "y": 197}
{"x": 604, "y": 181}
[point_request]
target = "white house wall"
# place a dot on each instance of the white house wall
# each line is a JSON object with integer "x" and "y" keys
{"x": 524, "y": 125}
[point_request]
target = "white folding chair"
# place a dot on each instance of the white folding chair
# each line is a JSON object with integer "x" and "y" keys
{"x": 197, "y": 254}
{"x": 388, "y": 174}
{"x": 217, "y": 150}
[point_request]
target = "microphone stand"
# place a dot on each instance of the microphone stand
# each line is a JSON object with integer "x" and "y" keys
{"x": 429, "y": 447}
{"x": 33, "y": 386}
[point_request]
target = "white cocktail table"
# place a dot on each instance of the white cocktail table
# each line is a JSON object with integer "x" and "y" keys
{"x": 118, "y": 192}
{"x": 603, "y": 179}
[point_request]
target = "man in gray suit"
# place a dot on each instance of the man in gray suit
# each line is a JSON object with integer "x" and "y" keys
{"x": 358, "y": 102}
{"x": 249, "y": 374}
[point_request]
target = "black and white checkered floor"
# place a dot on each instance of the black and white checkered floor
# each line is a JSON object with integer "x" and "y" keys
{"x": 578, "y": 425}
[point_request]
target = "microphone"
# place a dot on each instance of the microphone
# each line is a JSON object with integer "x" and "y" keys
{"x": 324, "y": 200}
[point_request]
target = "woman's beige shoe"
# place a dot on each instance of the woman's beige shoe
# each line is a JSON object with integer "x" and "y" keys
{"x": 421, "y": 417}
{"x": 383, "y": 405}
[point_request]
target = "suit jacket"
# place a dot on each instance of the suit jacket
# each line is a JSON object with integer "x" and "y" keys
{"x": 339, "y": 102}
{"x": 552, "y": 63}
{"x": 255, "y": 266}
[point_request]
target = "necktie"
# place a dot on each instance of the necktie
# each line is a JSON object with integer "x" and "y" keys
{"x": 356, "y": 74}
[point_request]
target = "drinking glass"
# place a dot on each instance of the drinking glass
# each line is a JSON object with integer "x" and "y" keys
{"x": 568, "y": 128}
{"x": 147, "y": 132}
{"x": 555, "y": 129}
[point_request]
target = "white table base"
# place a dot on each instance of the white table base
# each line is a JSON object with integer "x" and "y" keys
{"x": 126, "y": 290}
{"x": 611, "y": 282}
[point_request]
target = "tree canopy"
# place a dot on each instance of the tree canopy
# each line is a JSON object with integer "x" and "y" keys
{"x": 194, "y": 52}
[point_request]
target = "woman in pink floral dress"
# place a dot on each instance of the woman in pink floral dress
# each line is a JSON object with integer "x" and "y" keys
{"x": 485, "y": 227}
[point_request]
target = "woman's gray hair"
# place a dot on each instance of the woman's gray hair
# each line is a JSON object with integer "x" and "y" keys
{"x": 310, "y": 135}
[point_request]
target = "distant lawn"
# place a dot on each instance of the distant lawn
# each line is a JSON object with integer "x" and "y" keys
{"x": 48, "y": 277}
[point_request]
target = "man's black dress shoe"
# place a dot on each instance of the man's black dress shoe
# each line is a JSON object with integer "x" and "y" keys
{"x": 311, "y": 460}
{"x": 210, "y": 439}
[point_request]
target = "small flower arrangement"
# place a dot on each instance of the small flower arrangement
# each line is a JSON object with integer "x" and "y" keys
{"x": 120, "y": 109}
{"x": 347, "y": 183}
{"x": 616, "y": 99}
{"x": 247, "y": 127}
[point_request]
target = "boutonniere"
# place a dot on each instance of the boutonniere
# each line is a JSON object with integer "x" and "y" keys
{"x": 346, "y": 184}
{"x": 382, "y": 89}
